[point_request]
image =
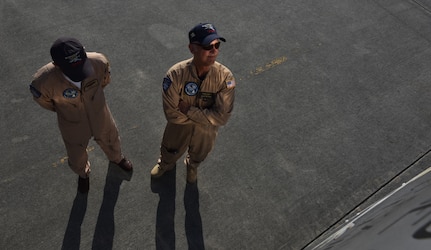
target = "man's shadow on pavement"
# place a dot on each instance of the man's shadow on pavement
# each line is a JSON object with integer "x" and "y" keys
{"x": 165, "y": 187}
{"x": 105, "y": 227}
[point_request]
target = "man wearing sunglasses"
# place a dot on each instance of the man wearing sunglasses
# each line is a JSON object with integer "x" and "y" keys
{"x": 198, "y": 98}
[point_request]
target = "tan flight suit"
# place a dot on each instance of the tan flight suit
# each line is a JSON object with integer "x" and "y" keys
{"x": 211, "y": 101}
{"x": 81, "y": 113}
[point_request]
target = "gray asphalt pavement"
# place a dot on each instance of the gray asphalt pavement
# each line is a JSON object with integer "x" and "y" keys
{"x": 332, "y": 103}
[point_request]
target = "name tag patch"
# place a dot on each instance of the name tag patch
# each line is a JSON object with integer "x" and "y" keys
{"x": 207, "y": 96}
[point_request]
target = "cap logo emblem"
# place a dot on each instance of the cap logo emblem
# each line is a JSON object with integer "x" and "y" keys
{"x": 74, "y": 58}
{"x": 209, "y": 27}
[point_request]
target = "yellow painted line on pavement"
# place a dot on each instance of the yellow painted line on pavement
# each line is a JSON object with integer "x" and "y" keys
{"x": 270, "y": 65}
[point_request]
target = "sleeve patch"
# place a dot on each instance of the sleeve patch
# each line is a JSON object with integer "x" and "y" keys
{"x": 36, "y": 93}
{"x": 230, "y": 84}
{"x": 166, "y": 83}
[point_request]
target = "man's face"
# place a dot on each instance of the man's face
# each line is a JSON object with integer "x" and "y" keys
{"x": 205, "y": 55}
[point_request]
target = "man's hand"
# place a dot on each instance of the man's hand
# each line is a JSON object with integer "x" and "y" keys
{"x": 184, "y": 107}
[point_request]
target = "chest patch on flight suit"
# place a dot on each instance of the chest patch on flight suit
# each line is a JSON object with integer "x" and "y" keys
{"x": 70, "y": 93}
{"x": 191, "y": 88}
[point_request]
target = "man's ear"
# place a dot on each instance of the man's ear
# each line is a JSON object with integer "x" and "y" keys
{"x": 192, "y": 48}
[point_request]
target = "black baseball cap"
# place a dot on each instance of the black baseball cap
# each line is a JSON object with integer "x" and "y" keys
{"x": 204, "y": 34}
{"x": 69, "y": 54}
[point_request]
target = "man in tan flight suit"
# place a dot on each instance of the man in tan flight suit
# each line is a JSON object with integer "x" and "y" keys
{"x": 198, "y": 98}
{"x": 72, "y": 86}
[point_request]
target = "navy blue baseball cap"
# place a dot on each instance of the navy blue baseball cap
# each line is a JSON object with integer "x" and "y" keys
{"x": 204, "y": 34}
{"x": 69, "y": 54}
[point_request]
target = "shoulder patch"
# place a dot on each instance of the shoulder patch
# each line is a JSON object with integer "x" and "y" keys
{"x": 166, "y": 83}
{"x": 230, "y": 84}
{"x": 36, "y": 93}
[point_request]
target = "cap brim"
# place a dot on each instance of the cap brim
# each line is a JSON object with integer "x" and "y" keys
{"x": 208, "y": 39}
{"x": 80, "y": 72}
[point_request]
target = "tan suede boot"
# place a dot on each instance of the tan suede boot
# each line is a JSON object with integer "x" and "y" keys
{"x": 157, "y": 171}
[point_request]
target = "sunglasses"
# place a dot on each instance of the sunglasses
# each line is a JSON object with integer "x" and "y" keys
{"x": 211, "y": 46}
